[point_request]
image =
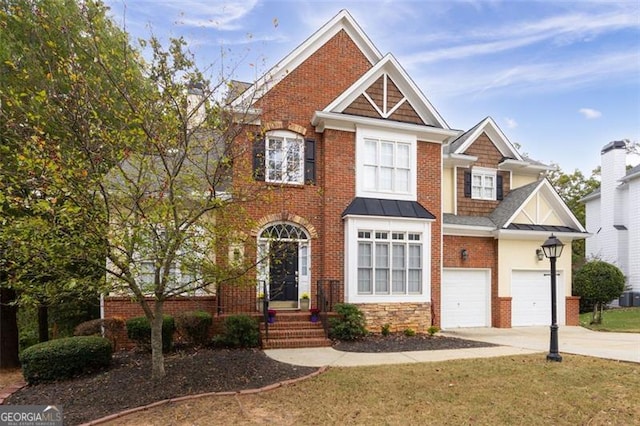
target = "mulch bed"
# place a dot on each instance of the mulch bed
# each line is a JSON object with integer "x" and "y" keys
{"x": 398, "y": 342}
{"x": 127, "y": 383}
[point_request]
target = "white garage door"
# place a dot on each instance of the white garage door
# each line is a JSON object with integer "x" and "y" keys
{"x": 466, "y": 298}
{"x": 531, "y": 298}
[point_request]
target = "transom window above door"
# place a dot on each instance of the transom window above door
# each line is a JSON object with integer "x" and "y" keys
{"x": 386, "y": 165}
{"x": 284, "y": 157}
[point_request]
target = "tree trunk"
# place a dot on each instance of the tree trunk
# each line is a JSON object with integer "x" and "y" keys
{"x": 597, "y": 319}
{"x": 157, "y": 357}
{"x": 9, "y": 341}
{"x": 43, "y": 323}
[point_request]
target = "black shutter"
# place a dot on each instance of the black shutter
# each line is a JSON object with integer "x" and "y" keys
{"x": 258, "y": 158}
{"x": 310, "y": 161}
{"x": 499, "y": 191}
{"x": 467, "y": 184}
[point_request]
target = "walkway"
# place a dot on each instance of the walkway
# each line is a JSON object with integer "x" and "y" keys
{"x": 512, "y": 341}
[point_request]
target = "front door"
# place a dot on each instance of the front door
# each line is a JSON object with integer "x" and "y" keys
{"x": 283, "y": 271}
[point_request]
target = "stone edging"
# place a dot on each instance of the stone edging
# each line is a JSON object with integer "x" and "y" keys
{"x": 7, "y": 391}
{"x": 202, "y": 395}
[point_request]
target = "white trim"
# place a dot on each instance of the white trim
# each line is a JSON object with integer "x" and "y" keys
{"x": 342, "y": 21}
{"x": 498, "y": 138}
{"x": 557, "y": 205}
{"x": 483, "y": 172}
{"x": 352, "y": 225}
{"x": 364, "y": 133}
{"x": 348, "y": 123}
{"x": 467, "y": 230}
{"x": 390, "y": 66}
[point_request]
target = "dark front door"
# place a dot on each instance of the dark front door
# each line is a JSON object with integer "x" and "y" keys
{"x": 283, "y": 271}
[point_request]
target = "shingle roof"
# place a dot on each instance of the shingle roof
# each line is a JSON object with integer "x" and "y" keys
{"x": 392, "y": 208}
{"x": 453, "y": 219}
{"x": 512, "y": 202}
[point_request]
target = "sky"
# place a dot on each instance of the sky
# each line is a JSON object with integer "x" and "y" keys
{"x": 560, "y": 78}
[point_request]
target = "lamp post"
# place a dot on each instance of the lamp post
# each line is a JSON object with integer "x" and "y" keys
{"x": 552, "y": 250}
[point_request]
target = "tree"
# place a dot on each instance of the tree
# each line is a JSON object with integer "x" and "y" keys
{"x": 599, "y": 282}
{"x": 137, "y": 162}
{"x": 572, "y": 188}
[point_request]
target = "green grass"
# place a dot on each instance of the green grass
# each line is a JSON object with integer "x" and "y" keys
{"x": 626, "y": 320}
{"x": 514, "y": 390}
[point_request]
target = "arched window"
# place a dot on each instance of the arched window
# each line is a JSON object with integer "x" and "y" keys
{"x": 283, "y": 231}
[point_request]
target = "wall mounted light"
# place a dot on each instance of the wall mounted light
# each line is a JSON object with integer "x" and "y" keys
{"x": 464, "y": 254}
{"x": 539, "y": 254}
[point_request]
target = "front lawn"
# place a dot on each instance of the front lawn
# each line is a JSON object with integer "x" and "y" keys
{"x": 625, "y": 320}
{"x": 524, "y": 390}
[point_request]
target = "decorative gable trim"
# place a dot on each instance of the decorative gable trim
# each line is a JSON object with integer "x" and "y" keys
{"x": 491, "y": 129}
{"x": 559, "y": 207}
{"x": 389, "y": 68}
{"x": 343, "y": 21}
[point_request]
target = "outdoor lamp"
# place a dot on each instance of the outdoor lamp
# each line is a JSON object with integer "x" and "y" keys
{"x": 552, "y": 250}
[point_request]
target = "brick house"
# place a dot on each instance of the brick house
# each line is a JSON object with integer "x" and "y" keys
{"x": 377, "y": 202}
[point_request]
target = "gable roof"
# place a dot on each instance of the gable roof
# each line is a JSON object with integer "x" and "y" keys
{"x": 501, "y": 219}
{"x": 342, "y": 21}
{"x": 391, "y": 67}
{"x": 515, "y": 201}
{"x": 491, "y": 129}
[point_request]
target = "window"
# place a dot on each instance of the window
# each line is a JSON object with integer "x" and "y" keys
{"x": 389, "y": 262}
{"x": 483, "y": 184}
{"x": 386, "y": 164}
{"x": 185, "y": 274}
{"x": 284, "y": 158}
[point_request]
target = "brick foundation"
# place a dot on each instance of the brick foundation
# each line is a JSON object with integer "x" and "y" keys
{"x": 400, "y": 316}
{"x": 502, "y": 318}
{"x": 572, "y": 311}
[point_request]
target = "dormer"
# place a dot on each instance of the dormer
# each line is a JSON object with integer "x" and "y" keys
{"x": 481, "y": 166}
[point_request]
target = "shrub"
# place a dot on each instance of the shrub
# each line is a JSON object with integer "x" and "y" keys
{"x": 598, "y": 282}
{"x": 409, "y": 332}
{"x": 385, "y": 329}
{"x": 195, "y": 326}
{"x": 139, "y": 330}
{"x": 112, "y": 328}
{"x": 433, "y": 330}
{"x": 240, "y": 331}
{"x": 350, "y": 325}
{"x": 65, "y": 358}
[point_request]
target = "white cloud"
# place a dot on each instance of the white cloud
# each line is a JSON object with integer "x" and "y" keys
{"x": 511, "y": 123}
{"x": 590, "y": 113}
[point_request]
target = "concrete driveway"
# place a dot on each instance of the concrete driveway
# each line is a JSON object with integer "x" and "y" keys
{"x": 571, "y": 340}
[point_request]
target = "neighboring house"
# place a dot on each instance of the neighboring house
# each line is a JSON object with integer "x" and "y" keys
{"x": 612, "y": 218}
{"x": 376, "y": 201}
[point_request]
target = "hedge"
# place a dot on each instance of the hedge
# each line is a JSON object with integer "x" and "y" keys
{"x": 65, "y": 358}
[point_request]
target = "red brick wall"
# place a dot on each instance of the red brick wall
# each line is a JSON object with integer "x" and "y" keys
{"x": 482, "y": 252}
{"x": 502, "y": 317}
{"x": 430, "y": 197}
{"x": 572, "y": 311}
{"x": 489, "y": 157}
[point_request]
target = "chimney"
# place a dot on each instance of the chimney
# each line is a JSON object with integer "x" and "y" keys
{"x": 613, "y": 159}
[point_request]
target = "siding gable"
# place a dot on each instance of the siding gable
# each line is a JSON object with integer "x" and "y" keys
{"x": 383, "y": 99}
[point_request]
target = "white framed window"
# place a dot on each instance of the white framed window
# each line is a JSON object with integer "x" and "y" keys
{"x": 483, "y": 184}
{"x": 387, "y": 260}
{"x": 386, "y": 164}
{"x": 284, "y": 157}
{"x": 389, "y": 263}
{"x": 185, "y": 274}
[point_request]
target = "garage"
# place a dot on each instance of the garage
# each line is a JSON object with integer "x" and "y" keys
{"x": 531, "y": 298}
{"x": 466, "y": 298}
